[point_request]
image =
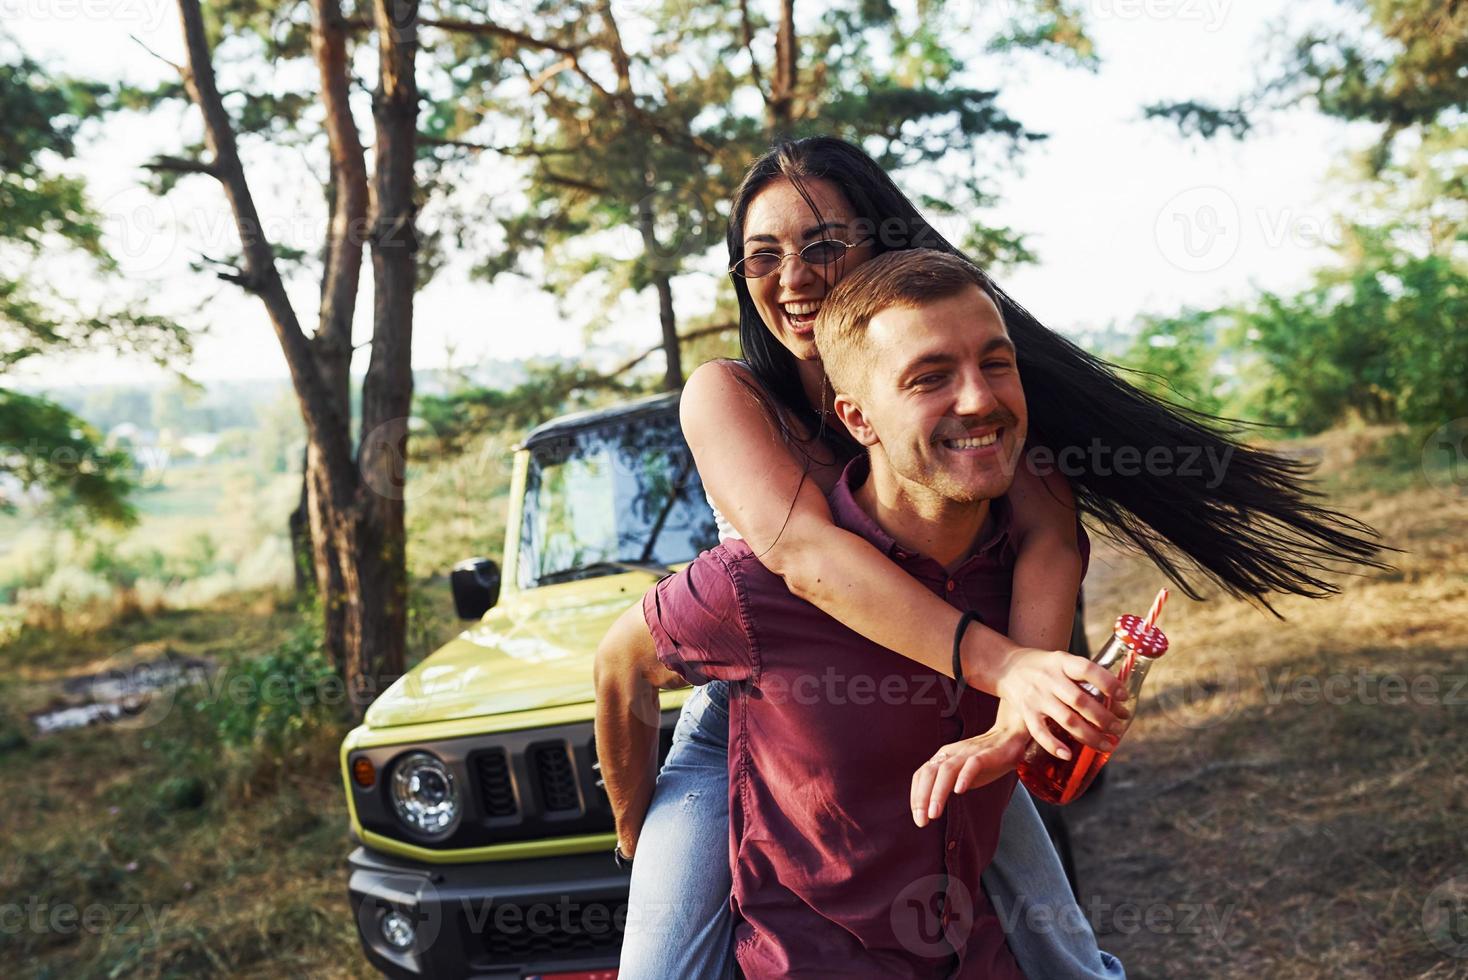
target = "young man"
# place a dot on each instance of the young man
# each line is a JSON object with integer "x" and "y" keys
{"x": 833, "y": 875}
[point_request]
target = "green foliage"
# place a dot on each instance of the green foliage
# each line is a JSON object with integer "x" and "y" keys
{"x": 1397, "y": 64}
{"x": 1404, "y": 69}
{"x": 269, "y": 704}
{"x": 44, "y": 445}
{"x": 1383, "y": 340}
{"x": 42, "y": 116}
{"x": 1176, "y": 359}
{"x": 1194, "y": 118}
{"x": 649, "y": 171}
{"x": 1051, "y": 27}
{"x": 550, "y": 388}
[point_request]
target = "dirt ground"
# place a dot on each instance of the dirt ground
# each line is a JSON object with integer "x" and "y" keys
{"x": 1292, "y": 800}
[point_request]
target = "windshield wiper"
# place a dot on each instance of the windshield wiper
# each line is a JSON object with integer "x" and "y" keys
{"x": 602, "y": 567}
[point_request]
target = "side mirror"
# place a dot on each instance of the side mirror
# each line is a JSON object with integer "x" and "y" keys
{"x": 476, "y": 585}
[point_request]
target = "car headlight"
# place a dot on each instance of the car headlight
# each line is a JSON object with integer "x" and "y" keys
{"x": 425, "y": 796}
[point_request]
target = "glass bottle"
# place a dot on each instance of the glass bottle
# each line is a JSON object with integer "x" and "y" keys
{"x": 1130, "y": 652}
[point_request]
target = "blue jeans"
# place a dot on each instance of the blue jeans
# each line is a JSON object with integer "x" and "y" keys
{"x": 679, "y": 924}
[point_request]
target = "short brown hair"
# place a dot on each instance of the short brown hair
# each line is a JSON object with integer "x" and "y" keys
{"x": 909, "y": 278}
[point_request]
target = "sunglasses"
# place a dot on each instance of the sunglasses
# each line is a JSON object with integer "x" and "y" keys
{"x": 823, "y": 252}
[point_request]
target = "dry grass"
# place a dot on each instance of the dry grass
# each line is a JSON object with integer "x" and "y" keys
{"x": 1293, "y": 791}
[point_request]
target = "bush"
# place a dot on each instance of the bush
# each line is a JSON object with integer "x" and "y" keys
{"x": 258, "y": 720}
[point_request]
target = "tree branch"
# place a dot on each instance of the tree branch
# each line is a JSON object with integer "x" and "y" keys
{"x": 349, "y": 200}
{"x": 683, "y": 338}
{"x": 260, "y": 270}
{"x": 182, "y": 71}
{"x": 754, "y": 69}
{"x": 475, "y": 27}
{"x": 180, "y": 165}
{"x": 509, "y": 151}
{"x": 583, "y": 185}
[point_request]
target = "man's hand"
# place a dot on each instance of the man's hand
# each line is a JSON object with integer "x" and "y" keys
{"x": 1044, "y": 685}
{"x": 969, "y": 764}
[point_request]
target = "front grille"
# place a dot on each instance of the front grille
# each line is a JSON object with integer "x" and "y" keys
{"x": 496, "y": 791}
{"x": 536, "y": 932}
{"x": 520, "y": 785}
{"x": 555, "y": 778}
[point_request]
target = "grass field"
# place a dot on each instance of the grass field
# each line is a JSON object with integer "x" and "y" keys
{"x": 1292, "y": 801}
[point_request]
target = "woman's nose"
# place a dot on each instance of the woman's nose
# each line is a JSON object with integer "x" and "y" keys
{"x": 795, "y": 272}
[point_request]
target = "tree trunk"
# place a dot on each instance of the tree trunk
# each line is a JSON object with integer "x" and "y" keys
{"x": 355, "y": 508}
{"x": 331, "y": 347}
{"x": 673, "y": 376}
{"x": 646, "y": 219}
{"x": 374, "y": 539}
{"x": 781, "y": 108}
{"x": 299, "y": 528}
{"x": 663, "y": 283}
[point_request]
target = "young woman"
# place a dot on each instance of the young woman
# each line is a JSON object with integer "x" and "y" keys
{"x": 767, "y": 451}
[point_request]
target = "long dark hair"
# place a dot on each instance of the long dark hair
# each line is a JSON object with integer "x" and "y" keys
{"x": 1251, "y": 524}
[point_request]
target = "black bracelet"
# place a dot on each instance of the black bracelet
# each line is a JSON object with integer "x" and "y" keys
{"x": 963, "y": 622}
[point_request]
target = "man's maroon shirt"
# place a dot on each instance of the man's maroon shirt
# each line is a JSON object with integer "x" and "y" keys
{"x": 831, "y": 875}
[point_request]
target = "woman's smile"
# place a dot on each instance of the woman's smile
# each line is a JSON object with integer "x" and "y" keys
{"x": 782, "y": 221}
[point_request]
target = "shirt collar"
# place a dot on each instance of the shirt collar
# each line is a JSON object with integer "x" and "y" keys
{"x": 848, "y": 514}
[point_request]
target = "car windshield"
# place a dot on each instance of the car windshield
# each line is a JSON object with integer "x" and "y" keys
{"x": 599, "y": 501}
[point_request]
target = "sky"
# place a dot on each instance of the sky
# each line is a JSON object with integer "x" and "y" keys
{"x": 1127, "y": 217}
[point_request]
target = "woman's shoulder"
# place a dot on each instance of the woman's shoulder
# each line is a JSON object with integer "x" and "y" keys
{"x": 720, "y": 386}
{"x": 724, "y": 394}
{"x": 721, "y": 371}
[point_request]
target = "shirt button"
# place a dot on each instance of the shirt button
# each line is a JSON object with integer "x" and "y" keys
{"x": 952, "y": 846}
{"x": 950, "y": 585}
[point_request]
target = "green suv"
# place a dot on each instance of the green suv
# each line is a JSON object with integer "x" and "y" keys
{"x": 484, "y": 834}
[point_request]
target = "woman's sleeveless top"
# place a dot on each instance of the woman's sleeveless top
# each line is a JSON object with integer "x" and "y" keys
{"x": 726, "y": 530}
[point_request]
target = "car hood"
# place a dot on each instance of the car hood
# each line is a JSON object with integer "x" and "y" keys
{"x": 535, "y": 651}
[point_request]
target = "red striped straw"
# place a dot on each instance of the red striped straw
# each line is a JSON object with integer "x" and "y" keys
{"x": 1156, "y": 610}
{"x": 1147, "y": 623}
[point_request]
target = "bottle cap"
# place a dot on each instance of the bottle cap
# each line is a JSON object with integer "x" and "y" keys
{"x": 1148, "y": 641}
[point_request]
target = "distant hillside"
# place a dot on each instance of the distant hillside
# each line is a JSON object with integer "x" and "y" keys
{"x": 247, "y": 403}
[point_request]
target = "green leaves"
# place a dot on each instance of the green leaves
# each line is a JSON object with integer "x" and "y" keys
{"x": 42, "y": 446}
{"x": 1399, "y": 64}
{"x": 1382, "y": 340}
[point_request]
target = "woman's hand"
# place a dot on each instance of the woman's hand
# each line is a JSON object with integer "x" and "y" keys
{"x": 1041, "y": 685}
{"x": 969, "y": 764}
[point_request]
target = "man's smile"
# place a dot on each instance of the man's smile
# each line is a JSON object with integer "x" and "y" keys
{"x": 973, "y": 439}
{"x": 972, "y": 444}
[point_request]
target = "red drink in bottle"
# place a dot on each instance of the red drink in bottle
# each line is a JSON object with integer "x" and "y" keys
{"x": 1130, "y": 652}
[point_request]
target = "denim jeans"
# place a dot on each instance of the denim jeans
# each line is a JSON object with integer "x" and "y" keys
{"x": 679, "y": 923}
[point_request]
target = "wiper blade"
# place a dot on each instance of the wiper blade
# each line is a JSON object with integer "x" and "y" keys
{"x": 599, "y": 567}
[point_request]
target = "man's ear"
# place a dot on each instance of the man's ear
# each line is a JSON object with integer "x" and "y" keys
{"x": 855, "y": 420}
